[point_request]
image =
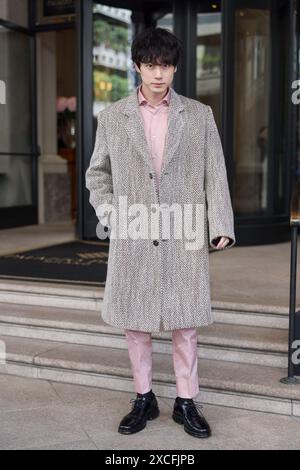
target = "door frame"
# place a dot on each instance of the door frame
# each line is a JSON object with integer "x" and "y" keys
{"x": 25, "y": 215}
{"x": 85, "y": 224}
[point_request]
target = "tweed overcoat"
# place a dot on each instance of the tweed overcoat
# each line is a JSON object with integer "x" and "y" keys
{"x": 156, "y": 284}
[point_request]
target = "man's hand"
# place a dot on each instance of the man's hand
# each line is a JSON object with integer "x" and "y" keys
{"x": 223, "y": 241}
{"x": 105, "y": 212}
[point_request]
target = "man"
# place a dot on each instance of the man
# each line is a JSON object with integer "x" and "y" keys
{"x": 156, "y": 147}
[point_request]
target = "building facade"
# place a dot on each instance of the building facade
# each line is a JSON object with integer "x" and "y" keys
{"x": 63, "y": 61}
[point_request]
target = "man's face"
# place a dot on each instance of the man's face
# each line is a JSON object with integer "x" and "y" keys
{"x": 156, "y": 77}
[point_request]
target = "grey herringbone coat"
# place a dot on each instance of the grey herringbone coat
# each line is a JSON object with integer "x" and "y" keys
{"x": 157, "y": 284}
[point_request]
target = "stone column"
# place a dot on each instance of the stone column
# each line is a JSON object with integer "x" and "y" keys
{"x": 54, "y": 179}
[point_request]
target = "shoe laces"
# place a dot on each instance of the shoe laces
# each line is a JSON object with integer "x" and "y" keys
{"x": 197, "y": 408}
{"x": 137, "y": 402}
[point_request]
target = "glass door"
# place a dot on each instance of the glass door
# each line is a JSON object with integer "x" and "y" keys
{"x": 209, "y": 57}
{"x": 258, "y": 58}
{"x": 106, "y": 74}
{"x": 251, "y": 98}
{"x": 18, "y": 149}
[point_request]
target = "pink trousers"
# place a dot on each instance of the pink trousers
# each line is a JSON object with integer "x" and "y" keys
{"x": 185, "y": 360}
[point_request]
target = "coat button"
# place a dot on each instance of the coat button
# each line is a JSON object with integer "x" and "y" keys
{"x": 150, "y": 175}
{"x": 155, "y": 242}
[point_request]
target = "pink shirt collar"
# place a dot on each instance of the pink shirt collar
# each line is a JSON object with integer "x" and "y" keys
{"x": 143, "y": 100}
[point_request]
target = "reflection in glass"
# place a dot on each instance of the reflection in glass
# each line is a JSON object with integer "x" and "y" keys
{"x": 113, "y": 73}
{"x": 15, "y": 11}
{"x": 251, "y": 83}
{"x": 208, "y": 53}
{"x": 15, "y": 114}
{"x": 15, "y": 181}
{"x": 166, "y": 22}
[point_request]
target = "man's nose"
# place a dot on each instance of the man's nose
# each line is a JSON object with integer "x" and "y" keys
{"x": 158, "y": 72}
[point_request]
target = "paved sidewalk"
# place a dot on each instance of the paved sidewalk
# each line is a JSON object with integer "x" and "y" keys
{"x": 31, "y": 237}
{"x": 37, "y": 414}
{"x": 253, "y": 275}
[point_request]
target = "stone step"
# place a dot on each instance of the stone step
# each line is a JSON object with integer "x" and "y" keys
{"x": 224, "y": 383}
{"x": 264, "y": 316}
{"x": 51, "y": 294}
{"x": 223, "y": 342}
{"x": 82, "y": 297}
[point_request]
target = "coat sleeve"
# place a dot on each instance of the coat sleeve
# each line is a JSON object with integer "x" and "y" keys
{"x": 219, "y": 208}
{"x": 98, "y": 176}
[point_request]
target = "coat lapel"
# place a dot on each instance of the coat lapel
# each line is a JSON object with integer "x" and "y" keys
{"x": 134, "y": 127}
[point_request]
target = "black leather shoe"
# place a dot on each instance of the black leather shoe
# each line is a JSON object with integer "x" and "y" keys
{"x": 144, "y": 407}
{"x": 187, "y": 412}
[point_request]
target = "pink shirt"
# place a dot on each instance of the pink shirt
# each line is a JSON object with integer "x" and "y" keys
{"x": 155, "y": 124}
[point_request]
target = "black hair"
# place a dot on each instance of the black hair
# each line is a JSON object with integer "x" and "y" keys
{"x": 156, "y": 45}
